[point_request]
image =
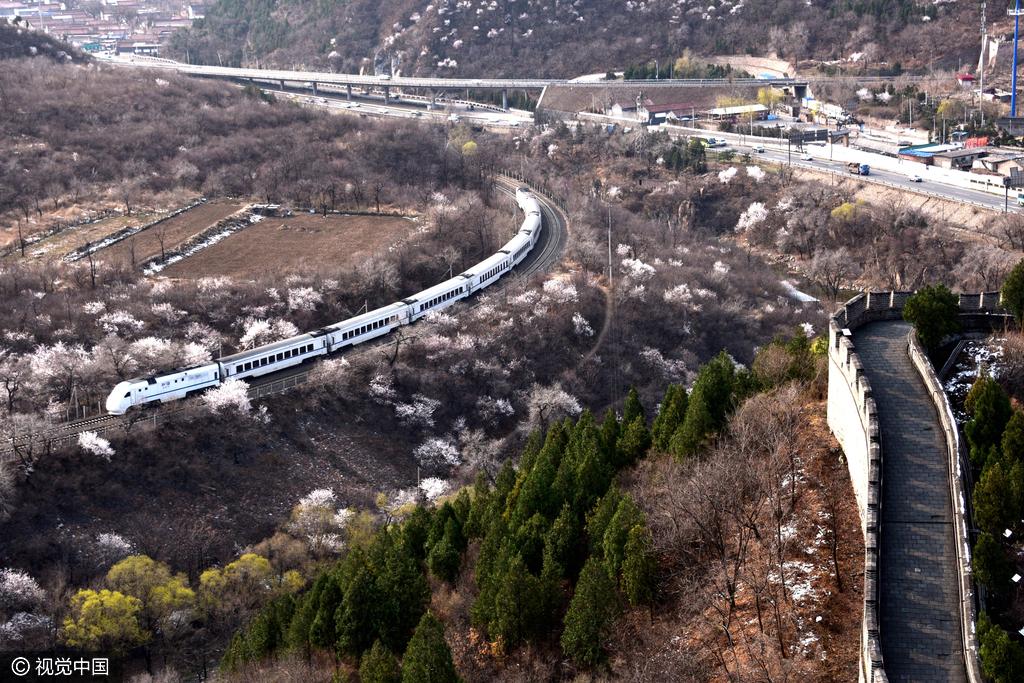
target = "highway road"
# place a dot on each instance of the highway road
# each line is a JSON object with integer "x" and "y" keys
{"x": 405, "y": 108}
{"x": 900, "y": 180}
{"x": 437, "y": 83}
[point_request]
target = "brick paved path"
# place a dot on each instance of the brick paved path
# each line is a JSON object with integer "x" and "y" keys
{"x": 918, "y": 610}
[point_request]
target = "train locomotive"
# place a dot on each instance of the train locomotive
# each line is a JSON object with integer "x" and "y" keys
{"x": 286, "y": 353}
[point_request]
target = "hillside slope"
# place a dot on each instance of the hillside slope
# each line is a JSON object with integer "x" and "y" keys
{"x": 540, "y": 38}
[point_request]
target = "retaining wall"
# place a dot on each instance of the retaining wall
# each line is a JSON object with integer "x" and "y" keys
{"x": 853, "y": 419}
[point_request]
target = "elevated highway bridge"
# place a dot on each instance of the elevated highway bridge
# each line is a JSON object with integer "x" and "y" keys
{"x": 434, "y": 84}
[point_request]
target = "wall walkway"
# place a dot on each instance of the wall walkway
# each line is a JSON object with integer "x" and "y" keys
{"x": 919, "y": 596}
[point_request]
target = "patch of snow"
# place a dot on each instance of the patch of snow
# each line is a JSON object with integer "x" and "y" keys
{"x": 796, "y": 294}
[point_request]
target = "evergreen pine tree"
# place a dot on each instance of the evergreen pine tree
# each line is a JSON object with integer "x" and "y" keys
{"x": 477, "y": 521}
{"x": 697, "y": 425}
{"x": 519, "y": 605}
{"x": 632, "y": 409}
{"x": 534, "y": 442}
{"x": 443, "y": 560}
{"x": 321, "y": 631}
{"x": 992, "y": 568}
{"x": 995, "y": 507}
{"x": 379, "y": 666}
{"x": 528, "y": 541}
{"x": 355, "y": 620}
{"x": 1002, "y": 658}
{"x": 428, "y": 658}
{"x": 1013, "y": 292}
{"x": 933, "y": 311}
{"x": 609, "y": 436}
{"x": 599, "y": 519}
{"x": 1013, "y": 437}
{"x": 990, "y": 411}
{"x": 592, "y": 479}
{"x": 416, "y": 529}
{"x": 626, "y": 516}
{"x": 591, "y": 612}
{"x": 633, "y": 444}
{"x": 562, "y": 548}
{"x": 709, "y": 404}
{"x": 639, "y": 567}
{"x": 673, "y": 410}
{"x": 536, "y": 492}
{"x": 297, "y": 636}
{"x": 403, "y": 593}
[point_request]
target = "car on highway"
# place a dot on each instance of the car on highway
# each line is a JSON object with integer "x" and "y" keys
{"x": 806, "y": 157}
{"x": 759, "y": 149}
{"x": 915, "y": 178}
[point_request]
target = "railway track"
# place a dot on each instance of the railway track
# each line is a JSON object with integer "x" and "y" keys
{"x": 543, "y": 257}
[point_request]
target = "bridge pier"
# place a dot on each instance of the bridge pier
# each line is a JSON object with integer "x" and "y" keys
{"x": 316, "y": 91}
{"x": 504, "y": 99}
{"x": 387, "y": 95}
{"x": 348, "y": 91}
{"x": 282, "y": 84}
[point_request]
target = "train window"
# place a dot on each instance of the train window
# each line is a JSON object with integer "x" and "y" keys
{"x": 280, "y": 357}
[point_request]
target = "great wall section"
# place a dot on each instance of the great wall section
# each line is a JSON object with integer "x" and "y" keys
{"x": 889, "y": 413}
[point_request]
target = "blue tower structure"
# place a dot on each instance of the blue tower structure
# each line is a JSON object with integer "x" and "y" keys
{"x": 1015, "y": 13}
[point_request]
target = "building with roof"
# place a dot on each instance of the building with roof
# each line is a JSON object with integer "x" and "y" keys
{"x": 959, "y": 159}
{"x": 925, "y": 154}
{"x": 758, "y": 112}
{"x": 1000, "y": 161}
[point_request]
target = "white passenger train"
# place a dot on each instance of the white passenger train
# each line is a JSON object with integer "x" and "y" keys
{"x": 288, "y": 352}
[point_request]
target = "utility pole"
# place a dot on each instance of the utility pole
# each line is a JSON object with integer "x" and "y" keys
{"x": 610, "y": 283}
{"x": 981, "y": 63}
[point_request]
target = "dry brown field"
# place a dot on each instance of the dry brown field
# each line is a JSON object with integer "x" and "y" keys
{"x": 304, "y": 242}
{"x": 173, "y": 231}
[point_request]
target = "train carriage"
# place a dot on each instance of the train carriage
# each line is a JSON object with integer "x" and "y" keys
{"x": 164, "y": 387}
{"x": 368, "y": 326}
{"x": 438, "y": 297}
{"x": 276, "y": 356}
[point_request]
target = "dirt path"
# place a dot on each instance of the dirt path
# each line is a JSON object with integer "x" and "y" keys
{"x": 606, "y": 325}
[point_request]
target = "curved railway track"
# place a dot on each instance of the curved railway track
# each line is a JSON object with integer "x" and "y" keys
{"x": 545, "y": 255}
